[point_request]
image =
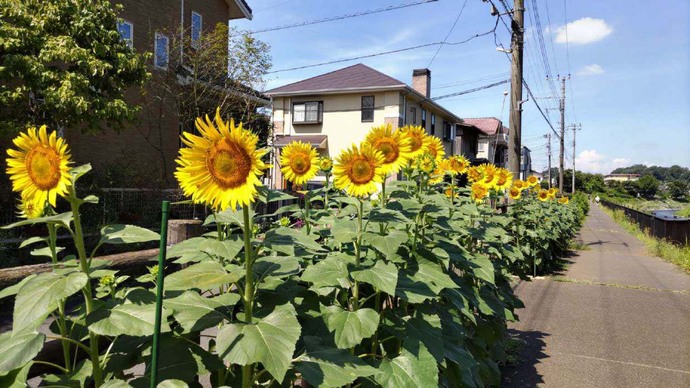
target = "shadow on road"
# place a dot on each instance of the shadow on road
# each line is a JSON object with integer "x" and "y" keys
{"x": 523, "y": 373}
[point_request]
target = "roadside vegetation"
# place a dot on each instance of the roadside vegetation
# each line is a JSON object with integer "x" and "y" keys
{"x": 678, "y": 255}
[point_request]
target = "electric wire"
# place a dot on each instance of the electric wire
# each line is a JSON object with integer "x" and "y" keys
{"x": 448, "y": 34}
{"x": 347, "y": 16}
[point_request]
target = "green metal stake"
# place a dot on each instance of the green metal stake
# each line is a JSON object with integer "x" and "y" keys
{"x": 159, "y": 292}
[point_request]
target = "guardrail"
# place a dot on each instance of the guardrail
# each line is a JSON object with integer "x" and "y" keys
{"x": 677, "y": 231}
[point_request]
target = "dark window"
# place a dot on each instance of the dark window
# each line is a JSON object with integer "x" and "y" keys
{"x": 160, "y": 51}
{"x": 447, "y": 131}
{"x": 307, "y": 112}
{"x": 197, "y": 21}
{"x": 126, "y": 30}
{"x": 413, "y": 113}
{"x": 433, "y": 124}
{"x": 367, "y": 108}
{"x": 423, "y": 118}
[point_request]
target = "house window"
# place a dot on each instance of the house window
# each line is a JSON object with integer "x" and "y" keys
{"x": 423, "y": 118}
{"x": 160, "y": 50}
{"x": 126, "y": 30}
{"x": 447, "y": 131}
{"x": 367, "y": 108}
{"x": 413, "y": 113}
{"x": 197, "y": 21}
{"x": 307, "y": 112}
{"x": 432, "y": 130}
{"x": 482, "y": 146}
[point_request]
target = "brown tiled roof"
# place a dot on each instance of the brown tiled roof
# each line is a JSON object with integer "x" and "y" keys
{"x": 316, "y": 141}
{"x": 353, "y": 77}
{"x": 488, "y": 125}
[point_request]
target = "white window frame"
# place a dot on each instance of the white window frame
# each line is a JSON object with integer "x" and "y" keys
{"x": 195, "y": 42}
{"x": 319, "y": 112}
{"x": 155, "y": 51}
{"x": 130, "y": 41}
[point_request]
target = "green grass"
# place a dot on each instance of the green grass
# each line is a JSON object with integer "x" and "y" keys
{"x": 648, "y": 206}
{"x": 684, "y": 212}
{"x": 678, "y": 255}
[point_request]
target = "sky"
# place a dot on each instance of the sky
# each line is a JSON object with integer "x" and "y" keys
{"x": 628, "y": 61}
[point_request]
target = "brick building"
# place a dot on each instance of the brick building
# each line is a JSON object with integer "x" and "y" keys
{"x": 147, "y": 148}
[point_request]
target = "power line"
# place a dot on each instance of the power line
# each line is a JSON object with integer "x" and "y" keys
{"x": 448, "y": 34}
{"x": 382, "y": 53}
{"x": 471, "y": 90}
{"x": 567, "y": 54}
{"x": 348, "y": 16}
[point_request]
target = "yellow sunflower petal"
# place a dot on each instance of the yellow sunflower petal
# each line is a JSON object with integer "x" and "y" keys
{"x": 299, "y": 162}
{"x": 358, "y": 169}
{"x": 395, "y": 146}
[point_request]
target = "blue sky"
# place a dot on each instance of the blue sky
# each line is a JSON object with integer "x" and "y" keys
{"x": 629, "y": 63}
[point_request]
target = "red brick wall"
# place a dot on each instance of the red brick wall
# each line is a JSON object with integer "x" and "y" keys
{"x": 148, "y": 147}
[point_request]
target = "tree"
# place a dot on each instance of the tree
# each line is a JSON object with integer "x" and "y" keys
{"x": 63, "y": 64}
{"x": 647, "y": 186}
{"x": 678, "y": 190}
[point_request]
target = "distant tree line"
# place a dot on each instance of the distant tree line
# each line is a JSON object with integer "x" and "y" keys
{"x": 663, "y": 174}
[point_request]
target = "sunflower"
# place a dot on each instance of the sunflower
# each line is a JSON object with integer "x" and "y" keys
{"x": 474, "y": 174}
{"x": 358, "y": 169}
{"x": 435, "y": 148}
{"x": 220, "y": 168}
{"x": 395, "y": 147}
{"x": 520, "y": 184}
{"x": 299, "y": 162}
{"x": 532, "y": 180}
{"x": 31, "y": 208}
{"x": 426, "y": 163}
{"x": 439, "y": 172}
{"x": 543, "y": 195}
{"x": 39, "y": 169}
{"x": 514, "y": 193}
{"x": 552, "y": 192}
{"x": 563, "y": 200}
{"x": 479, "y": 191}
{"x": 451, "y": 191}
{"x": 418, "y": 139}
{"x": 325, "y": 164}
{"x": 457, "y": 165}
{"x": 489, "y": 175}
{"x": 505, "y": 179}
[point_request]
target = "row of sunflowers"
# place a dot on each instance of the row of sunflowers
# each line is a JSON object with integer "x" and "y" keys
{"x": 379, "y": 283}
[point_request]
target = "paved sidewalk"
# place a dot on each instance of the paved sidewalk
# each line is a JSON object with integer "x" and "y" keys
{"x": 620, "y": 318}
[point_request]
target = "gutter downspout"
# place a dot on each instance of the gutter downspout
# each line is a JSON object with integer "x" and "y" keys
{"x": 181, "y": 32}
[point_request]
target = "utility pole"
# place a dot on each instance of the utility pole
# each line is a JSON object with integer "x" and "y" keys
{"x": 515, "y": 134}
{"x": 562, "y": 137}
{"x": 575, "y": 128}
{"x": 548, "y": 153}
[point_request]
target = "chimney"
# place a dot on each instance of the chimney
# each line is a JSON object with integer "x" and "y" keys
{"x": 421, "y": 81}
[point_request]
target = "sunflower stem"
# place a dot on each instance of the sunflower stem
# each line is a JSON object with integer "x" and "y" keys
{"x": 383, "y": 192}
{"x": 248, "y": 370}
{"x": 88, "y": 295}
{"x": 358, "y": 252}
{"x": 325, "y": 195}
{"x": 52, "y": 244}
{"x": 306, "y": 211}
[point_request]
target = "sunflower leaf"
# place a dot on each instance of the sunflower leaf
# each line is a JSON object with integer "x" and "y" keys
{"x": 62, "y": 219}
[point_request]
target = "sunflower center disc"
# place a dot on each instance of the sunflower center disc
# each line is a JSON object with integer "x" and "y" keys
{"x": 43, "y": 166}
{"x": 362, "y": 171}
{"x": 389, "y": 150}
{"x": 229, "y": 164}
{"x": 300, "y": 164}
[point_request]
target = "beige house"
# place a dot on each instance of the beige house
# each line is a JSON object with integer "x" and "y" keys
{"x": 335, "y": 110}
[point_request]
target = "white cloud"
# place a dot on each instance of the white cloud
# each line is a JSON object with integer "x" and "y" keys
{"x": 593, "y": 69}
{"x": 594, "y": 162}
{"x": 583, "y": 31}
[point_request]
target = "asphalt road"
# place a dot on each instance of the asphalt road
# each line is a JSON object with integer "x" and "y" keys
{"x": 618, "y": 317}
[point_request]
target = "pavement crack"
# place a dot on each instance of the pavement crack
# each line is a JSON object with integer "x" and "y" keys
{"x": 622, "y": 362}
{"x": 565, "y": 279}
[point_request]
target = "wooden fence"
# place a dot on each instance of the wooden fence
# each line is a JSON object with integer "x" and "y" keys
{"x": 677, "y": 231}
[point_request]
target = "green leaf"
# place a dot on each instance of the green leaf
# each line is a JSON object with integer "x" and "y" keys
{"x": 284, "y": 240}
{"x": 12, "y": 290}
{"x": 40, "y": 296}
{"x": 382, "y": 275}
{"x": 127, "y": 319}
{"x": 329, "y": 272}
{"x": 413, "y": 290}
{"x": 414, "y": 367}
{"x": 62, "y": 219}
{"x": 432, "y": 274}
{"x": 483, "y": 268}
{"x": 180, "y": 359}
{"x": 75, "y": 378}
{"x": 343, "y": 231}
{"x": 229, "y": 216}
{"x": 387, "y": 244}
{"x": 16, "y": 378}
{"x": 426, "y": 327}
{"x": 19, "y": 348}
{"x": 172, "y": 383}
{"x": 77, "y": 172}
{"x": 276, "y": 266}
{"x": 115, "y": 384}
{"x": 267, "y": 196}
{"x": 350, "y": 327}
{"x": 271, "y": 341}
{"x": 203, "y": 276}
{"x": 387, "y": 215}
{"x": 323, "y": 366}
{"x": 33, "y": 240}
{"x": 195, "y": 313}
{"x": 126, "y": 234}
